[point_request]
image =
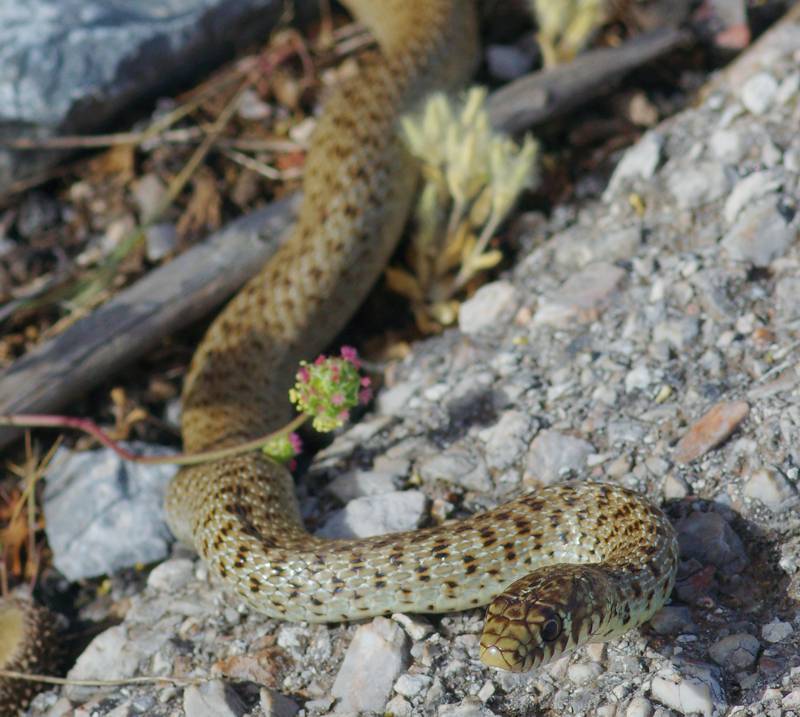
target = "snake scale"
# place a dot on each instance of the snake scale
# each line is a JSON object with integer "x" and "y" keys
{"x": 573, "y": 563}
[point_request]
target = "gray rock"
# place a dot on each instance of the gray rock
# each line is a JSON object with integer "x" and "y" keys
{"x": 729, "y": 146}
{"x": 639, "y": 162}
{"x": 377, "y": 656}
{"x": 468, "y": 707}
{"x": 71, "y": 65}
{"x": 274, "y": 704}
{"x": 708, "y": 538}
{"x": 376, "y": 515}
{"x": 758, "y": 93}
{"x": 411, "y": 685}
{"x": 161, "y": 240}
{"x": 754, "y": 186}
{"x": 552, "y": 453}
{"x": 110, "y": 656}
{"x": 787, "y": 295}
{"x": 358, "y": 484}
{"x": 211, "y": 699}
{"x": 689, "y": 689}
{"x": 507, "y": 440}
{"x": 673, "y": 620}
{"x": 171, "y": 575}
{"x": 678, "y": 333}
{"x": 491, "y": 305}
{"x": 457, "y": 465}
{"x": 735, "y": 652}
{"x": 760, "y": 235}
{"x": 770, "y": 487}
{"x": 698, "y": 184}
{"x": 582, "y": 297}
{"x": 582, "y": 673}
{"x": 639, "y": 707}
{"x": 399, "y": 707}
{"x": 122, "y": 525}
{"x": 776, "y": 630}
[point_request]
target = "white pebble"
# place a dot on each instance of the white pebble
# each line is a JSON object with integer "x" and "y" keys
{"x": 759, "y": 92}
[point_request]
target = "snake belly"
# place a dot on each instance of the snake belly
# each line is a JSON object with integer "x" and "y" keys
{"x": 573, "y": 563}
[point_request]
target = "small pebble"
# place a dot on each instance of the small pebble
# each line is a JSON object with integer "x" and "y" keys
{"x": 640, "y": 162}
{"x": 708, "y": 538}
{"x": 673, "y": 620}
{"x": 491, "y": 306}
{"x": 457, "y": 465}
{"x": 715, "y": 426}
{"x": 639, "y": 707}
{"x": 377, "y": 515}
{"x": 212, "y": 699}
{"x": 469, "y": 707}
{"x": 735, "y": 652}
{"x": 399, "y": 707}
{"x": 171, "y": 575}
{"x": 582, "y": 673}
{"x": 758, "y": 93}
{"x": 552, "y": 453}
{"x": 760, "y": 235}
{"x": 698, "y": 184}
{"x": 507, "y": 440}
{"x": 687, "y": 695}
{"x": 274, "y": 704}
{"x": 770, "y": 487}
{"x": 376, "y": 657}
{"x": 776, "y": 631}
{"x": 358, "y": 484}
{"x": 582, "y": 297}
{"x": 747, "y": 190}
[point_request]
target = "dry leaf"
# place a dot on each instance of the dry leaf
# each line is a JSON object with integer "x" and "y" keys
{"x": 204, "y": 210}
{"x": 401, "y": 282}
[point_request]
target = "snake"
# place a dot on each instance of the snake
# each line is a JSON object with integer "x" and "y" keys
{"x": 574, "y": 562}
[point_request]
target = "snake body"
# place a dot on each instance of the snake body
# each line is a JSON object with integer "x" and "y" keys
{"x": 591, "y": 560}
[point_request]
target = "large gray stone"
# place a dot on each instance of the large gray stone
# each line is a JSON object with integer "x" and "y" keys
{"x": 103, "y": 513}
{"x": 71, "y": 66}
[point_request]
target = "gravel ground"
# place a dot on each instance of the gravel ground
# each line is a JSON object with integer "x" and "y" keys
{"x": 648, "y": 337}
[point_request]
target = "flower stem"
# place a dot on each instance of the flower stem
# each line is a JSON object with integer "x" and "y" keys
{"x": 181, "y": 459}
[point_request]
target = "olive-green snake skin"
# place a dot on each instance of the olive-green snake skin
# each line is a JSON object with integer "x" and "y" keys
{"x": 570, "y": 564}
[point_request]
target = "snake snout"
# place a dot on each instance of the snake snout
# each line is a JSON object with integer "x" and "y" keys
{"x": 519, "y": 635}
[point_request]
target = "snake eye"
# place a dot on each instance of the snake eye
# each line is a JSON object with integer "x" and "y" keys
{"x": 551, "y": 629}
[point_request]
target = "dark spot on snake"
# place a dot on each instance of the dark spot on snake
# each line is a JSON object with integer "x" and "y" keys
{"x": 472, "y": 568}
{"x": 314, "y": 601}
{"x": 424, "y": 578}
{"x": 468, "y": 558}
{"x": 442, "y": 555}
{"x": 452, "y": 584}
{"x": 380, "y": 584}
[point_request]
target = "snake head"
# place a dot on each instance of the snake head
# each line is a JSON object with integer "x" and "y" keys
{"x": 541, "y": 617}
